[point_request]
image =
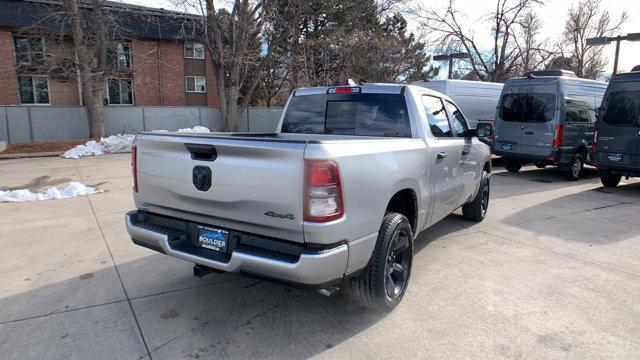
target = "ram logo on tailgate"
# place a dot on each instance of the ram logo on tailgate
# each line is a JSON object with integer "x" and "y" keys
{"x": 202, "y": 178}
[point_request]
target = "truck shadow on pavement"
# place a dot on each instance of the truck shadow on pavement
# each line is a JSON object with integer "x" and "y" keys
{"x": 217, "y": 316}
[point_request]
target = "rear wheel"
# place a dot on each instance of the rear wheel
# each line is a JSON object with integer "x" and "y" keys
{"x": 382, "y": 285}
{"x": 477, "y": 209}
{"x": 512, "y": 165}
{"x": 610, "y": 180}
{"x": 575, "y": 169}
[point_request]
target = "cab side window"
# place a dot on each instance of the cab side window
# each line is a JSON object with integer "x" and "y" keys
{"x": 458, "y": 122}
{"x": 436, "y": 117}
{"x": 577, "y": 112}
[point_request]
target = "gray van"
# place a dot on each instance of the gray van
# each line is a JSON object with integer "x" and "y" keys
{"x": 547, "y": 118}
{"x": 618, "y": 130}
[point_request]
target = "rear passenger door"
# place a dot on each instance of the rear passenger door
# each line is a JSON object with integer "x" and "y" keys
{"x": 579, "y": 124}
{"x": 446, "y": 151}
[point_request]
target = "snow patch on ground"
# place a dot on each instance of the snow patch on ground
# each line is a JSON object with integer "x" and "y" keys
{"x": 195, "y": 129}
{"x": 115, "y": 144}
{"x": 73, "y": 190}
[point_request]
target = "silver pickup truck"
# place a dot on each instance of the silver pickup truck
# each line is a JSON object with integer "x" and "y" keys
{"x": 334, "y": 198}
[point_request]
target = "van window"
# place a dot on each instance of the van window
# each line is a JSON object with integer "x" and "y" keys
{"x": 577, "y": 112}
{"x": 382, "y": 115}
{"x": 436, "y": 116}
{"x": 528, "y": 107}
{"x": 458, "y": 122}
{"x": 622, "y": 108}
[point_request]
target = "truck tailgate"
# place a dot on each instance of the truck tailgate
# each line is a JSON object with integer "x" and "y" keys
{"x": 256, "y": 184}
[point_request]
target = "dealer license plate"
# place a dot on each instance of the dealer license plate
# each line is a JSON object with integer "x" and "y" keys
{"x": 212, "y": 238}
{"x": 615, "y": 157}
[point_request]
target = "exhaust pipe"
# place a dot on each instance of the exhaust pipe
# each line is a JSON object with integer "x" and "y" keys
{"x": 329, "y": 291}
{"x": 201, "y": 270}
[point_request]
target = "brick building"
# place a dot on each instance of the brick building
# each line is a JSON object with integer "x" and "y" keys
{"x": 157, "y": 64}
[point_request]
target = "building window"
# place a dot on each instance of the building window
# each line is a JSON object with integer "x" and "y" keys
{"x": 120, "y": 56}
{"x": 193, "y": 50}
{"x": 29, "y": 50}
{"x": 120, "y": 92}
{"x": 197, "y": 84}
{"x": 33, "y": 89}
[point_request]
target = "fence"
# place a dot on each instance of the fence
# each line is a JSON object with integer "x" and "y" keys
{"x": 24, "y": 124}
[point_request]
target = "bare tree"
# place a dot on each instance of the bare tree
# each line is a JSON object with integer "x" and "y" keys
{"x": 504, "y": 58}
{"x": 586, "y": 20}
{"x": 92, "y": 73}
{"x": 235, "y": 41}
{"x": 534, "y": 53}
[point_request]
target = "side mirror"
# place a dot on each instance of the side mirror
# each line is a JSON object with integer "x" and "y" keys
{"x": 484, "y": 130}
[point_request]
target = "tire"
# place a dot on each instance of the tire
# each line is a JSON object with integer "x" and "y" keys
{"x": 574, "y": 171}
{"x": 541, "y": 165}
{"x": 476, "y": 210}
{"x": 512, "y": 165}
{"x": 610, "y": 180}
{"x": 383, "y": 283}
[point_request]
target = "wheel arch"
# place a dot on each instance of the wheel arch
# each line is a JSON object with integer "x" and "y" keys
{"x": 405, "y": 202}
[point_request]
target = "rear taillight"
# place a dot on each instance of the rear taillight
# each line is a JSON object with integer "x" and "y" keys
{"x": 322, "y": 191}
{"x": 558, "y": 137}
{"x": 594, "y": 147}
{"x": 134, "y": 167}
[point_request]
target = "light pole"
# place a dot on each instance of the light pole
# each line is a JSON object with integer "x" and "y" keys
{"x": 605, "y": 40}
{"x": 449, "y": 58}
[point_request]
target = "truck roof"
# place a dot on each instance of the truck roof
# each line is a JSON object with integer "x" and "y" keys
{"x": 368, "y": 88}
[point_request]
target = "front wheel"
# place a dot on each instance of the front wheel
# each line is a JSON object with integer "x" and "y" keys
{"x": 575, "y": 170}
{"x": 512, "y": 165}
{"x": 382, "y": 285}
{"x": 476, "y": 210}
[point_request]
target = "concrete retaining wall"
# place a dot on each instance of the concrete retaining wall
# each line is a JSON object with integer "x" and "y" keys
{"x": 23, "y": 124}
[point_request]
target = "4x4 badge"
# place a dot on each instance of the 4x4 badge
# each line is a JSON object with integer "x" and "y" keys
{"x": 274, "y": 214}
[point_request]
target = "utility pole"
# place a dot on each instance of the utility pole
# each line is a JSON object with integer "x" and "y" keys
{"x": 449, "y": 58}
{"x": 606, "y": 40}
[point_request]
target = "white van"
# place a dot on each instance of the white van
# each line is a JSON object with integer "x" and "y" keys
{"x": 477, "y": 100}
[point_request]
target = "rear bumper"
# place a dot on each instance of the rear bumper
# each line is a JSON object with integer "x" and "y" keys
{"x": 308, "y": 268}
{"x": 629, "y": 171}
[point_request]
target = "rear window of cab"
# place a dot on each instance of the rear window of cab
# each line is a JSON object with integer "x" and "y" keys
{"x": 380, "y": 115}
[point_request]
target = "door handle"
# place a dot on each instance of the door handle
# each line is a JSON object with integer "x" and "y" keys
{"x": 465, "y": 151}
{"x": 441, "y": 155}
{"x": 529, "y": 132}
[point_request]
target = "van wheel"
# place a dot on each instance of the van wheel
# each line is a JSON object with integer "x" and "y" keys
{"x": 512, "y": 165}
{"x": 382, "y": 285}
{"x": 610, "y": 180}
{"x": 476, "y": 210}
{"x": 575, "y": 169}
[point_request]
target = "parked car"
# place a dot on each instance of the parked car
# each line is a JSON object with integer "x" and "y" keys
{"x": 547, "y": 118}
{"x": 335, "y": 197}
{"x": 618, "y": 130}
{"x": 477, "y": 99}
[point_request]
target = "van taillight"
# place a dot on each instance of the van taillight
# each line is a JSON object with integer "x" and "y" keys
{"x": 134, "y": 167}
{"x": 594, "y": 147}
{"x": 558, "y": 137}
{"x": 322, "y": 191}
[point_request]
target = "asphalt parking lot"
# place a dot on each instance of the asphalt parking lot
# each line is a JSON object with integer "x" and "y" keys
{"x": 552, "y": 273}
